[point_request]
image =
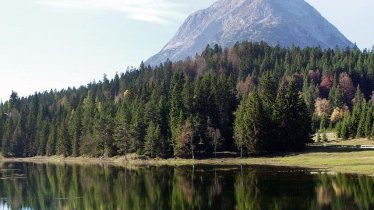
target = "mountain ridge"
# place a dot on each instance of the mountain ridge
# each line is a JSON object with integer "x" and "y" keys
{"x": 226, "y": 22}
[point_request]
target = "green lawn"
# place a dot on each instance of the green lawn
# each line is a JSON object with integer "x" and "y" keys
{"x": 331, "y": 158}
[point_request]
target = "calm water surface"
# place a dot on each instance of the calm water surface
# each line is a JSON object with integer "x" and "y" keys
{"x": 47, "y": 186}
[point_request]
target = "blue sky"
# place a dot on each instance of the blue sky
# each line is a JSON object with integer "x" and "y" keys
{"x": 47, "y": 44}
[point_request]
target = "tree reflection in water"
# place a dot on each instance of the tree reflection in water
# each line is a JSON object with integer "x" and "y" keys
{"x": 47, "y": 186}
{"x": 345, "y": 192}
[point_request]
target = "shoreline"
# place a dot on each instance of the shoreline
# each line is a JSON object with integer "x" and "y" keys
{"x": 333, "y": 157}
{"x": 120, "y": 161}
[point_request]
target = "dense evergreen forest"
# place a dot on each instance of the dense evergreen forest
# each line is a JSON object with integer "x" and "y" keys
{"x": 252, "y": 98}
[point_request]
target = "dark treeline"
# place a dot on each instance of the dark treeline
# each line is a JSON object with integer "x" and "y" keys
{"x": 252, "y": 98}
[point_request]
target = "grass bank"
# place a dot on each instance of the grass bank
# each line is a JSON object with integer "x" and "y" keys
{"x": 332, "y": 156}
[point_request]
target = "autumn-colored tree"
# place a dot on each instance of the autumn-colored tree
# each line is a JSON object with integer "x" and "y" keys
{"x": 347, "y": 88}
{"x": 200, "y": 64}
{"x": 326, "y": 85}
{"x": 214, "y": 134}
{"x": 245, "y": 86}
{"x": 233, "y": 59}
{"x": 323, "y": 107}
{"x": 187, "y": 141}
{"x": 338, "y": 114}
{"x": 207, "y": 89}
{"x": 313, "y": 76}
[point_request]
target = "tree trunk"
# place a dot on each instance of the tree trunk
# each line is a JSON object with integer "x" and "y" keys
{"x": 215, "y": 150}
{"x": 192, "y": 150}
{"x": 193, "y": 154}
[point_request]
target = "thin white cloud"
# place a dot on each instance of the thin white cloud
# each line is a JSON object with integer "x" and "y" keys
{"x": 152, "y": 11}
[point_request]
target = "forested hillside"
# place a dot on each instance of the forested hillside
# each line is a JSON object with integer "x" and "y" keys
{"x": 252, "y": 98}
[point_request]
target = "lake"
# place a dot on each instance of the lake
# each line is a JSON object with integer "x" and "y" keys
{"x": 48, "y": 186}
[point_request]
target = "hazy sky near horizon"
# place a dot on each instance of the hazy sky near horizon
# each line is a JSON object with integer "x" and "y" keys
{"x": 48, "y": 44}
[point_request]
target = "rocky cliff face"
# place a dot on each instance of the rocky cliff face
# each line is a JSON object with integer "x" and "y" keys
{"x": 226, "y": 22}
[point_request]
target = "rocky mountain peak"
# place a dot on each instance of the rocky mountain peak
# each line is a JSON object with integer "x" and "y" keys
{"x": 226, "y": 22}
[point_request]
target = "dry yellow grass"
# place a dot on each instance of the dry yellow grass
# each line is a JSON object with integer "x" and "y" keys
{"x": 351, "y": 142}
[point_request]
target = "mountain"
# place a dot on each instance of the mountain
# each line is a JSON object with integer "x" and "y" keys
{"x": 226, "y": 22}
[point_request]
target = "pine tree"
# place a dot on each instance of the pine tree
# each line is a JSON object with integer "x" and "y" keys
{"x": 176, "y": 114}
{"x": 51, "y": 143}
{"x": 164, "y": 131}
{"x": 309, "y": 93}
{"x": 29, "y": 146}
{"x": 250, "y": 126}
{"x": 107, "y": 135}
{"x": 63, "y": 146}
{"x": 203, "y": 107}
{"x": 103, "y": 130}
{"x": 268, "y": 92}
{"x": 152, "y": 140}
{"x": 15, "y": 149}
{"x": 76, "y": 130}
{"x": 240, "y": 127}
{"x": 39, "y": 127}
{"x": 43, "y": 137}
{"x": 226, "y": 102}
{"x": 138, "y": 128}
{"x": 292, "y": 118}
{"x": 345, "y": 129}
{"x": 310, "y": 97}
{"x": 372, "y": 132}
{"x": 2, "y": 120}
{"x": 323, "y": 123}
{"x": 335, "y": 96}
{"x": 356, "y": 113}
{"x": 359, "y": 97}
{"x": 152, "y": 111}
{"x": 122, "y": 136}
{"x": 6, "y": 142}
{"x": 361, "y": 125}
{"x": 187, "y": 96}
{"x": 14, "y": 101}
{"x": 368, "y": 121}
{"x": 339, "y": 130}
{"x": 88, "y": 119}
